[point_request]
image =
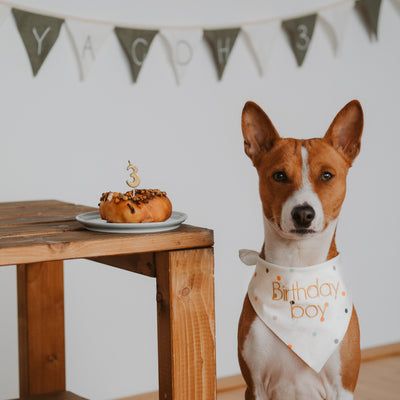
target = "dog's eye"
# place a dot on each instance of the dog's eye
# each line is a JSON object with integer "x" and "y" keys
{"x": 280, "y": 176}
{"x": 326, "y": 176}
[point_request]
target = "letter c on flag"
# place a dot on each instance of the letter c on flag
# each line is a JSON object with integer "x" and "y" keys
{"x": 134, "y": 54}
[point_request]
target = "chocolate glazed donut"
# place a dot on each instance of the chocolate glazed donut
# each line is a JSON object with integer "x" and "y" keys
{"x": 145, "y": 205}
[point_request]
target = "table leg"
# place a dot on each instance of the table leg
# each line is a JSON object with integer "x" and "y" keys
{"x": 186, "y": 324}
{"x": 41, "y": 327}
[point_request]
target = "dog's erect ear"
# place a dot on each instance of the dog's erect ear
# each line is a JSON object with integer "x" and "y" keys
{"x": 345, "y": 131}
{"x": 258, "y": 132}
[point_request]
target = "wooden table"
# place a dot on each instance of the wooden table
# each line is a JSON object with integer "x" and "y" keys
{"x": 38, "y": 235}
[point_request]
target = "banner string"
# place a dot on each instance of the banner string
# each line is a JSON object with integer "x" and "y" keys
{"x": 183, "y": 27}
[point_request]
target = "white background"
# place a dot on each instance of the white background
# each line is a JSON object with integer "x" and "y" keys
{"x": 65, "y": 139}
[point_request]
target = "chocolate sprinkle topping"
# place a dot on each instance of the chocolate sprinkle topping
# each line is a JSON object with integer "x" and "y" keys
{"x": 140, "y": 196}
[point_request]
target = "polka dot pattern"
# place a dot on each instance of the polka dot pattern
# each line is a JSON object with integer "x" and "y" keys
{"x": 300, "y": 307}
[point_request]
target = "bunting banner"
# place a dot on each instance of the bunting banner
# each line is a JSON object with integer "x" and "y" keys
{"x": 370, "y": 12}
{"x": 181, "y": 46}
{"x": 221, "y": 42}
{"x": 39, "y": 33}
{"x": 300, "y": 32}
{"x": 88, "y": 39}
{"x": 334, "y": 20}
{"x": 260, "y": 38}
{"x": 136, "y": 44}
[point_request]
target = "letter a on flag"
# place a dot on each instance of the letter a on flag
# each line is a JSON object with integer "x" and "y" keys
{"x": 221, "y": 42}
{"x": 136, "y": 44}
{"x": 300, "y": 32}
{"x": 38, "y": 33}
{"x": 87, "y": 39}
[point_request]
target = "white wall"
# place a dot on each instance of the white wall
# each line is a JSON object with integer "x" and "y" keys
{"x": 70, "y": 140}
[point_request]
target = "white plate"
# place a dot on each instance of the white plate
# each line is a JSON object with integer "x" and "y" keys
{"x": 93, "y": 222}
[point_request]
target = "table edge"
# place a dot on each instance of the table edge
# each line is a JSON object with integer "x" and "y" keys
{"x": 122, "y": 244}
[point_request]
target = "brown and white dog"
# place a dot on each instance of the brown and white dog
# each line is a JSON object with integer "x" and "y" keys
{"x": 302, "y": 186}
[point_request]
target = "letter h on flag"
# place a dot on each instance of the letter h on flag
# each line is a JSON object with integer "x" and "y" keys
{"x": 221, "y": 42}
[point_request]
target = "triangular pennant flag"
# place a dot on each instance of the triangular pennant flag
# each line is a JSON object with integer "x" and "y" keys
{"x": 335, "y": 19}
{"x": 87, "y": 39}
{"x": 369, "y": 10}
{"x": 260, "y": 38}
{"x": 38, "y": 33}
{"x": 300, "y": 32}
{"x": 136, "y": 44}
{"x": 221, "y": 42}
{"x": 4, "y": 13}
{"x": 181, "y": 45}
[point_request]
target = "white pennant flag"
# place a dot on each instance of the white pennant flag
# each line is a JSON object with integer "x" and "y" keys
{"x": 260, "y": 38}
{"x": 4, "y": 13}
{"x": 181, "y": 45}
{"x": 334, "y": 20}
{"x": 87, "y": 39}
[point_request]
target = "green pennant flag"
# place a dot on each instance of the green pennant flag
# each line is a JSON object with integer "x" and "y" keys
{"x": 221, "y": 42}
{"x": 300, "y": 31}
{"x": 38, "y": 33}
{"x": 136, "y": 44}
{"x": 369, "y": 10}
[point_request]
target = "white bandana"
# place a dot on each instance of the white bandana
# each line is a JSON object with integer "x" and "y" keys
{"x": 308, "y": 308}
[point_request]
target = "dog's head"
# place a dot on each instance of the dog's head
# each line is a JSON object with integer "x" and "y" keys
{"x": 302, "y": 182}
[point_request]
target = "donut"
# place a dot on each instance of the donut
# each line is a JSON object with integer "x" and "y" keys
{"x": 145, "y": 205}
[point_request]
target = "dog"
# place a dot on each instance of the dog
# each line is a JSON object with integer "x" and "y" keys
{"x": 302, "y": 185}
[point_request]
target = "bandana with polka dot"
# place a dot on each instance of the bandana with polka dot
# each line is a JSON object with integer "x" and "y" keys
{"x": 308, "y": 308}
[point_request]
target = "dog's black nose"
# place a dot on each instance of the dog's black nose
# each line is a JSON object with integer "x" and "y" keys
{"x": 303, "y": 216}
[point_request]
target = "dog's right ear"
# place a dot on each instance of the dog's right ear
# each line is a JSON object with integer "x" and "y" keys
{"x": 258, "y": 132}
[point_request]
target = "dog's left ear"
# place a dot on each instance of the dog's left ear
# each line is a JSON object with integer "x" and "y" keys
{"x": 345, "y": 131}
{"x": 258, "y": 131}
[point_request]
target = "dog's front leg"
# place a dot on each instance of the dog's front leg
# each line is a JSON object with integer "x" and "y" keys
{"x": 251, "y": 370}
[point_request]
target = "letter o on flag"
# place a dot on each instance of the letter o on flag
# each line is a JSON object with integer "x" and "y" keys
{"x": 184, "y": 52}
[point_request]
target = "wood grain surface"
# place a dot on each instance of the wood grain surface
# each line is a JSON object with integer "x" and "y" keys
{"x": 41, "y": 327}
{"x": 47, "y": 230}
{"x": 186, "y": 325}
